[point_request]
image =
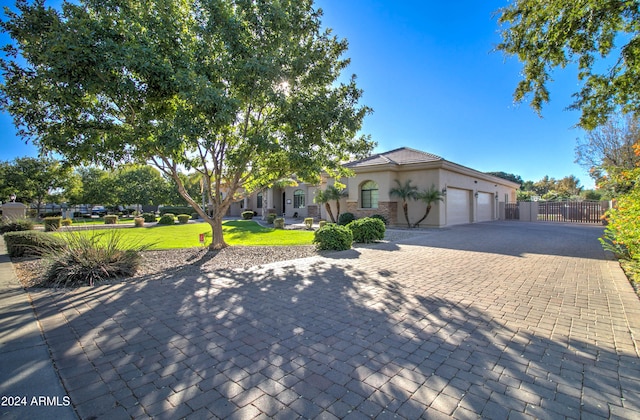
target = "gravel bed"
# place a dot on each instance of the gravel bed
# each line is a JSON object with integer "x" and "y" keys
{"x": 30, "y": 271}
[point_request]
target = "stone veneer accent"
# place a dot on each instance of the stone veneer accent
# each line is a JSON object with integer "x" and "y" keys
{"x": 313, "y": 211}
{"x": 388, "y": 209}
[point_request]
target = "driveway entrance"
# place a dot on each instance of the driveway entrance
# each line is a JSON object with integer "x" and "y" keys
{"x": 499, "y": 320}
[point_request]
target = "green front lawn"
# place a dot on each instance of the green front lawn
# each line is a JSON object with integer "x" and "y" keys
{"x": 236, "y": 232}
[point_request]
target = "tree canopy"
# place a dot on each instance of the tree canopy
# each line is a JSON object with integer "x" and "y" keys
{"x": 35, "y": 180}
{"x": 601, "y": 37}
{"x": 242, "y": 92}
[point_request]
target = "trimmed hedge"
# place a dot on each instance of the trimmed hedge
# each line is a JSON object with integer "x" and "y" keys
{"x": 18, "y": 225}
{"x": 52, "y": 223}
{"x": 367, "y": 230}
{"x": 176, "y": 210}
{"x": 110, "y": 219}
{"x": 32, "y": 243}
{"x": 381, "y": 217}
{"x": 271, "y": 217}
{"x": 149, "y": 217}
{"x": 333, "y": 237}
{"x": 308, "y": 222}
{"x": 67, "y": 222}
{"x": 346, "y": 218}
{"x": 167, "y": 219}
{"x": 247, "y": 215}
{"x": 183, "y": 219}
{"x": 278, "y": 223}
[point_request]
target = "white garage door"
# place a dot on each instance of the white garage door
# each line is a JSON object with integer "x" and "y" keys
{"x": 458, "y": 206}
{"x": 485, "y": 207}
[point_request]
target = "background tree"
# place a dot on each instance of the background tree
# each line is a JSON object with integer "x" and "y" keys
{"x": 600, "y": 37}
{"x": 36, "y": 180}
{"x": 141, "y": 185}
{"x": 97, "y": 187}
{"x": 609, "y": 149}
{"x": 509, "y": 177}
{"x": 429, "y": 197}
{"x": 243, "y": 93}
{"x": 192, "y": 183}
{"x": 405, "y": 192}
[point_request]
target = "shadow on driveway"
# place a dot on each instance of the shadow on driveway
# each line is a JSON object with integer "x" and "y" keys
{"x": 340, "y": 338}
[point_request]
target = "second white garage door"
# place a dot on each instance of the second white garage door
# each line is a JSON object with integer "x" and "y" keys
{"x": 458, "y": 206}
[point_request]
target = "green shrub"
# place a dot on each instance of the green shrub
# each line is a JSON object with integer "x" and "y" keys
{"x": 367, "y": 230}
{"x": 308, "y": 222}
{"x": 322, "y": 223}
{"x": 52, "y": 223}
{"x": 333, "y": 237}
{"x": 149, "y": 217}
{"x": 138, "y": 222}
{"x": 32, "y": 243}
{"x": 176, "y": 210}
{"x": 195, "y": 216}
{"x": 110, "y": 219}
{"x": 183, "y": 219}
{"x": 167, "y": 219}
{"x": 67, "y": 222}
{"x": 346, "y": 218}
{"x": 271, "y": 217}
{"x": 89, "y": 258}
{"x": 247, "y": 215}
{"x": 278, "y": 223}
{"x": 17, "y": 225}
{"x": 381, "y": 217}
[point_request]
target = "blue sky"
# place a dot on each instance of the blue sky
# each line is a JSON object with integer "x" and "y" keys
{"x": 428, "y": 71}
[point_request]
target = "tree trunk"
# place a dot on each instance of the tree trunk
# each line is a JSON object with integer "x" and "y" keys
{"x": 405, "y": 208}
{"x": 338, "y": 209}
{"x": 214, "y": 219}
{"x": 328, "y": 207}
{"x": 217, "y": 239}
{"x": 423, "y": 217}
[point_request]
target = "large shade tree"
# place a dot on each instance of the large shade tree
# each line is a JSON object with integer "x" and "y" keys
{"x": 600, "y": 37}
{"x": 242, "y": 92}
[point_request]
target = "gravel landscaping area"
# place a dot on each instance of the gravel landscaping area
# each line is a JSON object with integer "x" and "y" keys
{"x": 155, "y": 263}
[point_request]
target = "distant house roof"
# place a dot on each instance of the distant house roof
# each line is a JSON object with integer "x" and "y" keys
{"x": 401, "y": 156}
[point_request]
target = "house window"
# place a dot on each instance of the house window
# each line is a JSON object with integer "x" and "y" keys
{"x": 369, "y": 195}
{"x": 298, "y": 199}
{"x": 259, "y": 199}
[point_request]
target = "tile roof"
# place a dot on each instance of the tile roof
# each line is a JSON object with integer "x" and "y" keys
{"x": 401, "y": 156}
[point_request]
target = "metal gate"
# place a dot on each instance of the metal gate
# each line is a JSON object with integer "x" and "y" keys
{"x": 558, "y": 211}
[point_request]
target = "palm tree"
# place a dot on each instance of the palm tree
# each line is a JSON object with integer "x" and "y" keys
{"x": 323, "y": 197}
{"x": 329, "y": 194}
{"x": 405, "y": 192}
{"x": 336, "y": 194}
{"x": 428, "y": 197}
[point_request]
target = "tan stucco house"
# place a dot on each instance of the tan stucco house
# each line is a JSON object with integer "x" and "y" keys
{"x": 469, "y": 196}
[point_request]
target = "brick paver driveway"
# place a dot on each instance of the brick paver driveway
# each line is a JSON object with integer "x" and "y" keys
{"x": 499, "y": 320}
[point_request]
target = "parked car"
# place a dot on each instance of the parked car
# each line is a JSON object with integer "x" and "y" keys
{"x": 98, "y": 211}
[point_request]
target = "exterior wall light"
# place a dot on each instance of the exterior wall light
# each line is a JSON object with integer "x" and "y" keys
{"x": 444, "y": 191}
{"x": 476, "y": 194}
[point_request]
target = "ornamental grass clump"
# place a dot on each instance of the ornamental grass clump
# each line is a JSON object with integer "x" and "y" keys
{"x": 92, "y": 257}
